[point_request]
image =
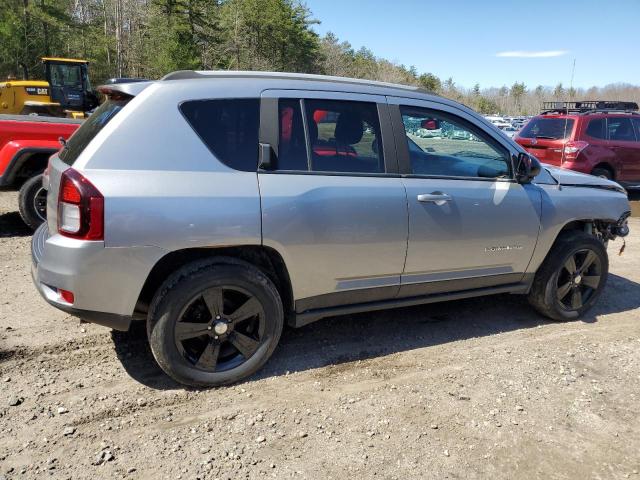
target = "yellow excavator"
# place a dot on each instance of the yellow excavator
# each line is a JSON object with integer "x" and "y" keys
{"x": 65, "y": 92}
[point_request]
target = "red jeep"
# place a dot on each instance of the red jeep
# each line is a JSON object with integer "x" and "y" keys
{"x": 597, "y": 137}
{"x": 26, "y": 142}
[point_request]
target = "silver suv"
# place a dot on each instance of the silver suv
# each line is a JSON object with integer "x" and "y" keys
{"x": 215, "y": 206}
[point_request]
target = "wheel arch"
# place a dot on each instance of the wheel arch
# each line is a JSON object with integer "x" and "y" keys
{"x": 268, "y": 260}
{"x": 606, "y": 166}
{"x": 25, "y": 163}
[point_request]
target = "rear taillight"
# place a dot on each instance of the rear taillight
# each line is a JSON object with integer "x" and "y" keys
{"x": 80, "y": 208}
{"x": 573, "y": 148}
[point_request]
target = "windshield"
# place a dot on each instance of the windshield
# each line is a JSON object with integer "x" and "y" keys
{"x": 89, "y": 129}
{"x": 551, "y": 128}
{"x": 65, "y": 75}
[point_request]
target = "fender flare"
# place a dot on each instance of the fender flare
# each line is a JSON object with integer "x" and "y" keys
{"x": 16, "y": 153}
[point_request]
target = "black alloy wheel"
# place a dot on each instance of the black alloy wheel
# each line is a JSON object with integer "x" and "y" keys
{"x": 571, "y": 277}
{"x": 578, "y": 279}
{"x": 220, "y": 329}
{"x": 214, "y": 322}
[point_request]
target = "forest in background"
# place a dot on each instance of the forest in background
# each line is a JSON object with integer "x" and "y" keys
{"x": 150, "y": 38}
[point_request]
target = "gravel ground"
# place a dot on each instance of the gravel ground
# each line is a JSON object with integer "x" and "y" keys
{"x": 481, "y": 388}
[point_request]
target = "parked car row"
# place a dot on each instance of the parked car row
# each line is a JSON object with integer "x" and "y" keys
{"x": 509, "y": 125}
{"x": 218, "y": 206}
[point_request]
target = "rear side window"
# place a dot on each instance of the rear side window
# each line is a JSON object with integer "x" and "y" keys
{"x": 620, "y": 129}
{"x": 342, "y": 136}
{"x": 89, "y": 129}
{"x": 229, "y": 128}
{"x": 292, "y": 146}
{"x": 548, "y": 128}
{"x": 596, "y": 128}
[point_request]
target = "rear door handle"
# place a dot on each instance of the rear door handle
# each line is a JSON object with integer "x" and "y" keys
{"x": 438, "y": 198}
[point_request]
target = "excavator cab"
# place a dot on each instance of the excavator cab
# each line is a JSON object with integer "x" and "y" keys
{"x": 69, "y": 84}
{"x": 65, "y": 91}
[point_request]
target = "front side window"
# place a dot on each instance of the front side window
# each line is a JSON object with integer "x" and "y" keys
{"x": 229, "y": 128}
{"x": 444, "y": 145}
{"x": 620, "y": 129}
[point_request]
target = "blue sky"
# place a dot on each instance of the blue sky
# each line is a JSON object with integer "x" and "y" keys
{"x": 462, "y": 39}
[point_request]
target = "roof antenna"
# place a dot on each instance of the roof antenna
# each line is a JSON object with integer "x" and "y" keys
{"x": 566, "y": 118}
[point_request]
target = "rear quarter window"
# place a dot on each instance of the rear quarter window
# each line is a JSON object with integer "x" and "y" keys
{"x": 89, "y": 129}
{"x": 596, "y": 128}
{"x": 549, "y": 128}
{"x": 229, "y": 128}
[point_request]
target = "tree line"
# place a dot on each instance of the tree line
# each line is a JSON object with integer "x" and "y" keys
{"x": 150, "y": 38}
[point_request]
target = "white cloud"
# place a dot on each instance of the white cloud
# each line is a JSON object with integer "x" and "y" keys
{"x": 539, "y": 54}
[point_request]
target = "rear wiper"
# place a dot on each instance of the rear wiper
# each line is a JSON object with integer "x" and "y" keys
{"x": 546, "y": 137}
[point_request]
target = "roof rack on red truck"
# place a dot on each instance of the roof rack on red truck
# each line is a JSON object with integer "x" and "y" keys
{"x": 589, "y": 106}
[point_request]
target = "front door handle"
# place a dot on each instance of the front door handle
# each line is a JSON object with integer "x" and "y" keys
{"x": 438, "y": 198}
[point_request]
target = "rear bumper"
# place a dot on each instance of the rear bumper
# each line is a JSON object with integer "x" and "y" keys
{"x": 111, "y": 320}
{"x": 105, "y": 282}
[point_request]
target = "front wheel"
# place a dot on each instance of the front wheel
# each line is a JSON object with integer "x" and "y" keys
{"x": 571, "y": 278}
{"x": 214, "y": 322}
{"x": 32, "y": 202}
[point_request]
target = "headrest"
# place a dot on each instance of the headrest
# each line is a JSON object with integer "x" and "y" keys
{"x": 349, "y": 128}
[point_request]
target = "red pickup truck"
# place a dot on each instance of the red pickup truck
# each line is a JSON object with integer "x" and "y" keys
{"x": 26, "y": 142}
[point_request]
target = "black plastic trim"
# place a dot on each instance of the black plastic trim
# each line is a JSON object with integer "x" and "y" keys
{"x": 310, "y": 316}
{"x": 347, "y": 297}
{"x": 110, "y": 320}
{"x": 330, "y": 174}
{"x": 458, "y": 284}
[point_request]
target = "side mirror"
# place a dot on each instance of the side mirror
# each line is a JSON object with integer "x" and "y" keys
{"x": 527, "y": 167}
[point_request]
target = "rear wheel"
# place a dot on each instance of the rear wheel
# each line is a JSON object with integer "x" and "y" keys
{"x": 571, "y": 278}
{"x": 32, "y": 202}
{"x": 602, "y": 173}
{"x": 215, "y": 322}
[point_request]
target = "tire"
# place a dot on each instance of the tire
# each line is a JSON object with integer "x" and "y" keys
{"x": 603, "y": 173}
{"x": 553, "y": 292}
{"x": 32, "y": 192}
{"x": 196, "y": 293}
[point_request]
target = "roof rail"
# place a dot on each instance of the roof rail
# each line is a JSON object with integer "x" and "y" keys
{"x": 589, "y": 106}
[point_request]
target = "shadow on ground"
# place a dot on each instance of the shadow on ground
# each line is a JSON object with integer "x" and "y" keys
{"x": 363, "y": 336}
{"x": 11, "y": 225}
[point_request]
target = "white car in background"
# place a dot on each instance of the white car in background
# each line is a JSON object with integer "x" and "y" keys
{"x": 509, "y": 131}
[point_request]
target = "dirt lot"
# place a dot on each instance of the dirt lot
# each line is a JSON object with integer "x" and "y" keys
{"x": 470, "y": 389}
